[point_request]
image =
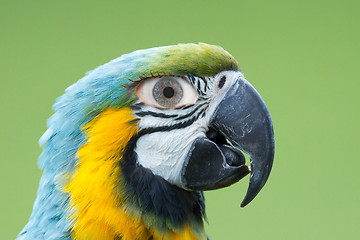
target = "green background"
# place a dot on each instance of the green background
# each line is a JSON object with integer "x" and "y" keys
{"x": 302, "y": 56}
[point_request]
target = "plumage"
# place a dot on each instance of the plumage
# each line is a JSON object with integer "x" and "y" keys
{"x": 113, "y": 165}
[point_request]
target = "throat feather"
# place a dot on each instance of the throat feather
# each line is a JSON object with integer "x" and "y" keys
{"x": 173, "y": 206}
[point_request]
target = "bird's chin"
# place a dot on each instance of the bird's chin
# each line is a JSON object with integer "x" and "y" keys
{"x": 212, "y": 163}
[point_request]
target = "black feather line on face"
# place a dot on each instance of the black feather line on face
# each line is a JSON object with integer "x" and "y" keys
{"x": 155, "y": 114}
{"x": 190, "y": 113}
{"x": 180, "y": 125}
{"x": 174, "y": 206}
{"x": 195, "y": 81}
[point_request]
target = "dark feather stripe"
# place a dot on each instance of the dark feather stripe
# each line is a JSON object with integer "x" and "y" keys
{"x": 190, "y": 113}
{"x": 206, "y": 87}
{"x": 134, "y": 107}
{"x": 180, "y": 125}
{"x": 139, "y": 104}
{"x": 195, "y": 80}
{"x": 185, "y": 107}
{"x": 200, "y": 92}
{"x": 198, "y": 85}
{"x": 175, "y": 207}
{"x": 155, "y": 114}
{"x": 191, "y": 79}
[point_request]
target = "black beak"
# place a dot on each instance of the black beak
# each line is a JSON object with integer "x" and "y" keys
{"x": 241, "y": 121}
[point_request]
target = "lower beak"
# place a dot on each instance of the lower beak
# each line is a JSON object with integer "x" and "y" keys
{"x": 241, "y": 121}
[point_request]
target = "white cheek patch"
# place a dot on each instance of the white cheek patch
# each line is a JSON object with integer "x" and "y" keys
{"x": 164, "y": 153}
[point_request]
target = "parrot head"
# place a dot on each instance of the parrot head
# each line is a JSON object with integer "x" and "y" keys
{"x": 132, "y": 145}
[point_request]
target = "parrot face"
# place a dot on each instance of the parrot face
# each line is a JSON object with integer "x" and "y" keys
{"x": 187, "y": 110}
{"x": 190, "y": 107}
{"x": 134, "y": 143}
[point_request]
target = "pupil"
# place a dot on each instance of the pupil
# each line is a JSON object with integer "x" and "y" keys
{"x": 168, "y": 92}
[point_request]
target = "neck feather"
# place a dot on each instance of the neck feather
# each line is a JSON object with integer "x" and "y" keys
{"x": 152, "y": 195}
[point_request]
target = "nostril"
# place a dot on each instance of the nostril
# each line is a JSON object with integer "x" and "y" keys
{"x": 233, "y": 156}
{"x": 222, "y": 82}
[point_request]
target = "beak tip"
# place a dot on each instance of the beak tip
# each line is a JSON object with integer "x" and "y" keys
{"x": 248, "y": 198}
{"x": 256, "y": 184}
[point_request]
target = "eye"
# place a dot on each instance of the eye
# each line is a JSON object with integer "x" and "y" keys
{"x": 166, "y": 92}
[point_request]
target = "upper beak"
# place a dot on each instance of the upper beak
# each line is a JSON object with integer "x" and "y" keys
{"x": 243, "y": 120}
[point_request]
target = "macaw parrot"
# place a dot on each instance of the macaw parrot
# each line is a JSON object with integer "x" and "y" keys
{"x": 133, "y": 144}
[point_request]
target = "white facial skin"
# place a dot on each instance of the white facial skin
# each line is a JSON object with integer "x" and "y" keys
{"x": 164, "y": 152}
